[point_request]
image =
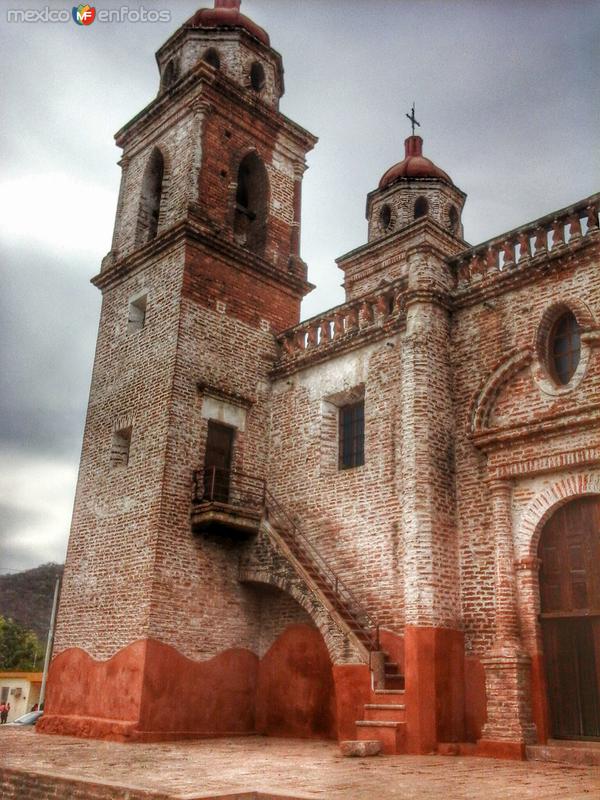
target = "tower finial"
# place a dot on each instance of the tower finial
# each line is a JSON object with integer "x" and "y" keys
{"x": 228, "y": 4}
{"x": 412, "y": 119}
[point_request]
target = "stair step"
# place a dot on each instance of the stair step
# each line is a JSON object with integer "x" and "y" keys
{"x": 378, "y": 723}
{"x": 388, "y": 691}
{"x": 394, "y": 681}
{"x": 385, "y": 712}
{"x": 392, "y": 735}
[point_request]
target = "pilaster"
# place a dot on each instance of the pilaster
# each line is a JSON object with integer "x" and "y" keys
{"x": 509, "y": 725}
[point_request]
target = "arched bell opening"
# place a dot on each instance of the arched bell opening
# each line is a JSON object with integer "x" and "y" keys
{"x": 152, "y": 198}
{"x": 251, "y": 204}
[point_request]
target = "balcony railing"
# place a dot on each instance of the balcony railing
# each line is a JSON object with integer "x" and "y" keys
{"x": 216, "y": 485}
{"x": 345, "y": 321}
{"x": 345, "y": 601}
{"x": 523, "y": 247}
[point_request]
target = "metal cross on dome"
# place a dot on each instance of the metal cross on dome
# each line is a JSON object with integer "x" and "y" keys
{"x": 412, "y": 119}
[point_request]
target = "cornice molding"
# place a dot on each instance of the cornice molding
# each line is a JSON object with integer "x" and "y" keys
{"x": 192, "y": 230}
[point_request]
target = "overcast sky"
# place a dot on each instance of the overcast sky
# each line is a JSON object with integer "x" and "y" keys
{"x": 506, "y": 93}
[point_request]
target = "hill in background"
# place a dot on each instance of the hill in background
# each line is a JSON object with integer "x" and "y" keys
{"x": 26, "y": 597}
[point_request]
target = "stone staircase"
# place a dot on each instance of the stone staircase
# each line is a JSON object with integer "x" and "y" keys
{"x": 385, "y": 721}
{"x": 385, "y": 715}
{"x": 279, "y": 553}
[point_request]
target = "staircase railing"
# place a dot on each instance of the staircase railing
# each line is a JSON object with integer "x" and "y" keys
{"x": 351, "y": 606}
{"x": 237, "y": 489}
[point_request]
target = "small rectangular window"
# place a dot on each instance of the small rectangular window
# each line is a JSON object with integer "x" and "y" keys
{"x": 119, "y": 451}
{"x": 137, "y": 313}
{"x": 352, "y": 435}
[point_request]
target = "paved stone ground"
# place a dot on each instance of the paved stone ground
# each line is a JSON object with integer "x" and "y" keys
{"x": 302, "y": 769}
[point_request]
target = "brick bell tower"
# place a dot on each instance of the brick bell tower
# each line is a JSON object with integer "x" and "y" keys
{"x": 155, "y": 635}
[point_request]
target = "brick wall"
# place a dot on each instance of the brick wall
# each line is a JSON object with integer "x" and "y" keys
{"x": 108, "y": 573}
{"x": 352, "y": 516}
{"x": 230, "y": 132}
{"x": 483, "y": 335}
{"x": 409, "y": 531}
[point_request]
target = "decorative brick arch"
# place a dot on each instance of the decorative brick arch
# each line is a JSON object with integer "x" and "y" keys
{"x": 542, "y": 373}
{"x": 584, "y": 317}
{"x": 543, "y": 506}
{"x": 483, "y": 401}
{"x": 339, "y": 645}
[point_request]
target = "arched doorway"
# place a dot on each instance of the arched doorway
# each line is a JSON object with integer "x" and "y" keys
{"x": 569, "y": 550}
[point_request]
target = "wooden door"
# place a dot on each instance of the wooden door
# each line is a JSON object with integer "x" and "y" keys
{"x": 570, "y": 615}
{"x": 217, "y": 462}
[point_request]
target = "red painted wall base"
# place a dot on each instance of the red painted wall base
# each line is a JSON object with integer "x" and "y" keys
{"x": 510, "y": 750}
{"x": 435, "y": 703}
{"x": 150, "y": 692}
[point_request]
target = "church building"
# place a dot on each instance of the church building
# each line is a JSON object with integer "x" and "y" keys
{"x": 381, "y": 524}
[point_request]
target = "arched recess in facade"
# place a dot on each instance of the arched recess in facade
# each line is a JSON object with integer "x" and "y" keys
{"x": 539, "y": 512}
{"x": 251, "y": 203}
{"x": 339, "y": 646}
{"x": 544, "y": 504}
{"x": 152, "y": 200}
{"x": 482, "y": 404}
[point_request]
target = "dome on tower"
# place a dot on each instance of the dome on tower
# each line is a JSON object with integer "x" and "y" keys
{"x": 414, "y": 165}
{"x": 226, "y": 14}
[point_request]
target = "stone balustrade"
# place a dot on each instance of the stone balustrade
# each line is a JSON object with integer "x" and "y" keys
{"x": 345, "y": 321}
{"x": 529, "y": 244}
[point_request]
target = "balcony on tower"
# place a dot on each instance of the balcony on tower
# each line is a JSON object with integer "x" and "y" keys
{"x": 226, "y": 502}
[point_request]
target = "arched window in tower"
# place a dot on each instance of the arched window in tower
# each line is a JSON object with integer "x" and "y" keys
{"x": 257, "y": 76}
{"x": 170, "y": 74}
{"x": 385, "y": 217}
{"x": 421, "y": 207}
{"x": 152, "y": 191}
{"x": 251, "y": 201}
{"x": 453, "y": 219}
{"x": 212, "y": 57}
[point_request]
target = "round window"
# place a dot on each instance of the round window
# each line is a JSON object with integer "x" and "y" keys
{"x": 385, "y": 217}
{"x": 564, "y": 347}
{"x": 257, "y": 76}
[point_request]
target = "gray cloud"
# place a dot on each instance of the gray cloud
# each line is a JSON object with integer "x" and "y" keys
{"x": 49, "y": 318}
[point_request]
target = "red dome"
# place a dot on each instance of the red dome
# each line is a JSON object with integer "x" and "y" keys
{"x": 415, "y": 165}
{"x": 226, "y": 14}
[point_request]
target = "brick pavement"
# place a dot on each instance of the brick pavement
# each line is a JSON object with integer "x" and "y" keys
{"x": 280, "y": 768}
